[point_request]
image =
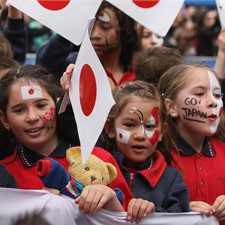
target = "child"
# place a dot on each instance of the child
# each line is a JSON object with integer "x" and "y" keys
{"x": 28, "y": 112}
{"x": 133, "y": 130}
{"x": 193, "y": 106}
{"x": 151, "y": 63}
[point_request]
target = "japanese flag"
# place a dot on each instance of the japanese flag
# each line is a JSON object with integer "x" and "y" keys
{"x": 156, "y": 15}
{"x": 221, "y": 9}
{"x": 90, "y": 96}
{"x": 69, "y": 18}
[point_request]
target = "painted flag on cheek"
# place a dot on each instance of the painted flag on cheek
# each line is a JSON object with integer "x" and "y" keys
{"x": 156, "y": 15}
{"x": 90, "y": 96}
{"x": 68, "y": 18}
{"x": 221, "y": 10}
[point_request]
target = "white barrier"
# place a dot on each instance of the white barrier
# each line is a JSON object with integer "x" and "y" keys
{"x": 61, "y": 210}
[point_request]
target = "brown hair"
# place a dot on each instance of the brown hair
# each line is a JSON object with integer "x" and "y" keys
{"x": 5, "y": 47}
{"x": 170, "y": 84}
{"x": 151, "y": 63}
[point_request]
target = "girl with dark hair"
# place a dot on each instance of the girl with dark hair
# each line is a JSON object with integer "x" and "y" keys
{"x": 28, "y": 97}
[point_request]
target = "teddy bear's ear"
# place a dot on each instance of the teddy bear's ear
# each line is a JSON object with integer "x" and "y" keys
{"x": 112, "y": 172}
{"x": 73, "y": 154}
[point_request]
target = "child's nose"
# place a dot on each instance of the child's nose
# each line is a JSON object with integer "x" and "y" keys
{"x": 140, "y": 133}
{"x": 212, "y": 101}
{"x": 32, "y": 115}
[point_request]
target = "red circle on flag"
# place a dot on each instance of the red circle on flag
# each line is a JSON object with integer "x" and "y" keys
{"x": 88, "y": 89}
{"x": 54, "y": 4}
{"x": 146, "y": 3}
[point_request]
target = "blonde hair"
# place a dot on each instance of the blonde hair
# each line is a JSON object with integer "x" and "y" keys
{"x": 170, "y": 84}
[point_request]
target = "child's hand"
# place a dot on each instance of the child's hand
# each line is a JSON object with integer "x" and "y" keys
{"x": 3, "y": 4}
{"x": 139, "y": 208}
{"x": 202, "y": 207}
{"x": 219, "y": 207}
{"x": 66, "y": 77}
{"x": 95, "y": 197}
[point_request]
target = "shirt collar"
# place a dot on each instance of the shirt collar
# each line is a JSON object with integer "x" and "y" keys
{"x": 187, "y": 150}
{"x": 30, "y": 157}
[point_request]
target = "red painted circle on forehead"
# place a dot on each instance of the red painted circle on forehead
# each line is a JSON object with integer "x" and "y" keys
{"x": 31, "y": 91}
{"x": 54, "y": 4}
{"x": 88, "y": 89}
{"x": 145, "y": 3}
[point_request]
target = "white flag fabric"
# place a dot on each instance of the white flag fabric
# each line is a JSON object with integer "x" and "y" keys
{"x": 68, "y": 18}
{"x": 16, "y": 203}
{"x": 221, "y": 10}
{"x": 105, "y": 217}
{"x": 61, "y": 210}
{"x": 156, "y": 15}
{"x": 90, "y": 96}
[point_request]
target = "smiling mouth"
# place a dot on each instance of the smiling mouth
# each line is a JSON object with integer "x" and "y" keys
{"x": 33, "y": 131}
{"x": 212, "y": 117}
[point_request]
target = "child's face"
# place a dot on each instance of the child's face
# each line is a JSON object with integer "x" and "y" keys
{"x": 198, "y": 106}
{"x": 149, "y": 40}
{"x": 138, "y": 129}
{"x": 30, "y": 114}
{"x": 105, "y": 33}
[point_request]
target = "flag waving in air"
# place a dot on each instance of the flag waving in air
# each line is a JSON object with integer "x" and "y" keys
{"x": 156, "y": 15}
{"x": 69, "y": 18}
{"x": 221, "y": 10}
{"x": 90, "y": 96}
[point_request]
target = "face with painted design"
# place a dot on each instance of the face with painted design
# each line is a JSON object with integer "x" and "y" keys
{"x": 138, "y": 129}
{"x": 30, "y": 115}
{"x": 198, "y": 106}
{"x": 105, "y": 33}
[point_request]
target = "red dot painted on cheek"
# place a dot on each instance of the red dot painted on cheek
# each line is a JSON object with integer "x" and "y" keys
{"x": 88, "y": 90}
{"x": 145, "y": 3}
{"x": 54, "y": 4}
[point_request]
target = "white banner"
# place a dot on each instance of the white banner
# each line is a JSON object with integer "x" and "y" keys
{"x": 61, "y": 210}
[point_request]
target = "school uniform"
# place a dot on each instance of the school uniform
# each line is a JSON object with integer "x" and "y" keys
{"x": 127, "y": 76}
{"x": 153, "y": 181}
{"x": 203, "y": 172}
{"x": 6, "y": 179}
{"x": 21, "y": 164}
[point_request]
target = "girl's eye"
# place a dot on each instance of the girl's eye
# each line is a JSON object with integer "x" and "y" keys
{"x": 129, "y": 124}
{"x": 42, "y": 105}
{"x": 199, "y": 94}
{"x": 150, "y": 126}
{"x": 217, "y": 95}
{"x": 19, "y": 110}
{"x": 87, "y": 168}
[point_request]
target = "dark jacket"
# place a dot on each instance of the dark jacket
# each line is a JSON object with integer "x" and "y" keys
{"x": 16, "y": 34}
{"x": 56, "y": 55}
{"x": 6, "y": 180}
{"x": 156, "y": 182}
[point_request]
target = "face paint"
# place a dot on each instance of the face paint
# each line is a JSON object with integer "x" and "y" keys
{"x": 153, "y": 121}
{"x": 157, "y": 40}
{"x": 155, "y": 137}
{"x": 216, "y": 111}
{"x": 105, "y": 18}
{"x": 123, "y": 136}
{"x": 31, "y": 92}
{"x": 50, "y": 115}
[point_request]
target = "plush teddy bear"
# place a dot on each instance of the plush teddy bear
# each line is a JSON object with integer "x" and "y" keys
{"x": 71, "y": 183}
{"x": 94, "y": 171}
